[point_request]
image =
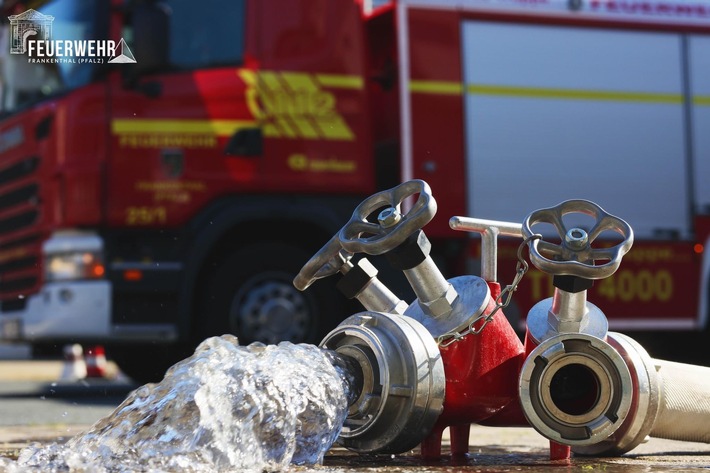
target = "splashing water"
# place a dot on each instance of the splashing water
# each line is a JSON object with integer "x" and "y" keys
{"x": 227, "y": 407}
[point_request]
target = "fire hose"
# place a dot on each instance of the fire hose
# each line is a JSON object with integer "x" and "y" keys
{"x": 450, "y": 358}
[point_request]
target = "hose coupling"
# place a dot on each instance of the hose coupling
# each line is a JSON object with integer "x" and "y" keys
{"x": 575, "y": 389}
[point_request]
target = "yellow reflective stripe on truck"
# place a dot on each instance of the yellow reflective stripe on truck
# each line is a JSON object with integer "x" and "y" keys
{"x": 163, "y": 133}
{"x": 146, "y": 125}
{"x": 436, "y": 87}
{"x": 456, "y": 88}
{"x": 573, "y": 94}
{"x": 340, "y": 81}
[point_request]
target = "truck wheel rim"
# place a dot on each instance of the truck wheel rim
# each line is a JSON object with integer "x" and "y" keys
{"x": 269, "y": 309}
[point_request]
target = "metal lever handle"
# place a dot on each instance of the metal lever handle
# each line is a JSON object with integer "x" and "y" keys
{"x": 481, "y": 225}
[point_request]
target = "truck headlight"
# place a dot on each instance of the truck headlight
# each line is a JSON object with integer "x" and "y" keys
{"x": 71, "y": 255}
{"x": 73, "y": 266}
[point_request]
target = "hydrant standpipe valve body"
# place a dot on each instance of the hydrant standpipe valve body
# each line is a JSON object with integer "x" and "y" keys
{"x": 450, "y": 358}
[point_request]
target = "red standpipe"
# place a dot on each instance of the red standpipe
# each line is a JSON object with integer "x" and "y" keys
{"x": 481, "y": 383}
{"x": 482, "y": 372}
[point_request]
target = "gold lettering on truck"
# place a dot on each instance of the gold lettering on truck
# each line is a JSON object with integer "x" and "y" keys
{"x": 300, "y": 162}
{"x": 295, "y": 104}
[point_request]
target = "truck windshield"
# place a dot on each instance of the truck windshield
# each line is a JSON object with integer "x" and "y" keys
{"x": 205, "y": 34}
{"x": 23, "y": 82}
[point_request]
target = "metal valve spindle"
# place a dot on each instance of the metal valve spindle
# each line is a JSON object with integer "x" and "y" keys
{"x": 573, "y": 265}
{"x": 435, "y": 294}
{"x": 360, "y": 282}
{"x": 420, "y": 270}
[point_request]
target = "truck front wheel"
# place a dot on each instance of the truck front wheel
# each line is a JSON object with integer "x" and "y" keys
{"x": 148, "y": 362}
{"x": 250, "y": 294}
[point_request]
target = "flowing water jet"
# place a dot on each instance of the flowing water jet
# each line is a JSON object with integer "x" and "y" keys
{"x": 226, "y": 408}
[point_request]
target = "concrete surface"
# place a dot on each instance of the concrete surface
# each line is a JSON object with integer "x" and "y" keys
{"x": 42, "y": 370}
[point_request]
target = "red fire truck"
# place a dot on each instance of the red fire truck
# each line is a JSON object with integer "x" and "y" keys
{"x": 166, "y": 167}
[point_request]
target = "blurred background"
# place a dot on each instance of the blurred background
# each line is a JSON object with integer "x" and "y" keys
{"x": 168, "y": 167}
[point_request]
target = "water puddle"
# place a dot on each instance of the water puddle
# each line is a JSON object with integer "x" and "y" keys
{"x": 226, "y": 408}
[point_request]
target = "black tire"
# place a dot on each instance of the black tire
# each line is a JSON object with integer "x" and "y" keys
{"x": 147, "y": 362}
{"x": 250, "y": 294}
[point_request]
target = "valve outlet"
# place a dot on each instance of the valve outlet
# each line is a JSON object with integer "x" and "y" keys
{"x": 401, "y": 381}
{"x": 575, "y": 389}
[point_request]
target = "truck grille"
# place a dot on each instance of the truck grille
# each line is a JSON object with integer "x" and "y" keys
{"x": 20, "y": 242}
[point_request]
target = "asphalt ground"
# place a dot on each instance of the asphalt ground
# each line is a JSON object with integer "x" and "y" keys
{"x": 491, "y": 449}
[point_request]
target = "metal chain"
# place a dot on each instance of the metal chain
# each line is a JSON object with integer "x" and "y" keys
{"x": 520, "y": 269}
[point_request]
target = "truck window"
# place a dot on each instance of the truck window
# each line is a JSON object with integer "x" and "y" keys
{"x": 199, "y": 38}
{"x": 24, "y": 83}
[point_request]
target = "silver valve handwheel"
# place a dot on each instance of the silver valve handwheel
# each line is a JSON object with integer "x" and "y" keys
{"x": 393, "y": 229}
{"x": 361, "y": 236}
{"x": 326, "y": 262}
{"x": 575, "y": 256}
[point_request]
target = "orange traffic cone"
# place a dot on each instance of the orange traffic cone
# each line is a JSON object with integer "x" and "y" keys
{"x": 74, "y": 364}
{"x": 96, "y": 362}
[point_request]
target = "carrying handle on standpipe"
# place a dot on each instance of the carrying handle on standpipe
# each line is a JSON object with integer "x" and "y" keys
{"x": 489, "y": 230}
